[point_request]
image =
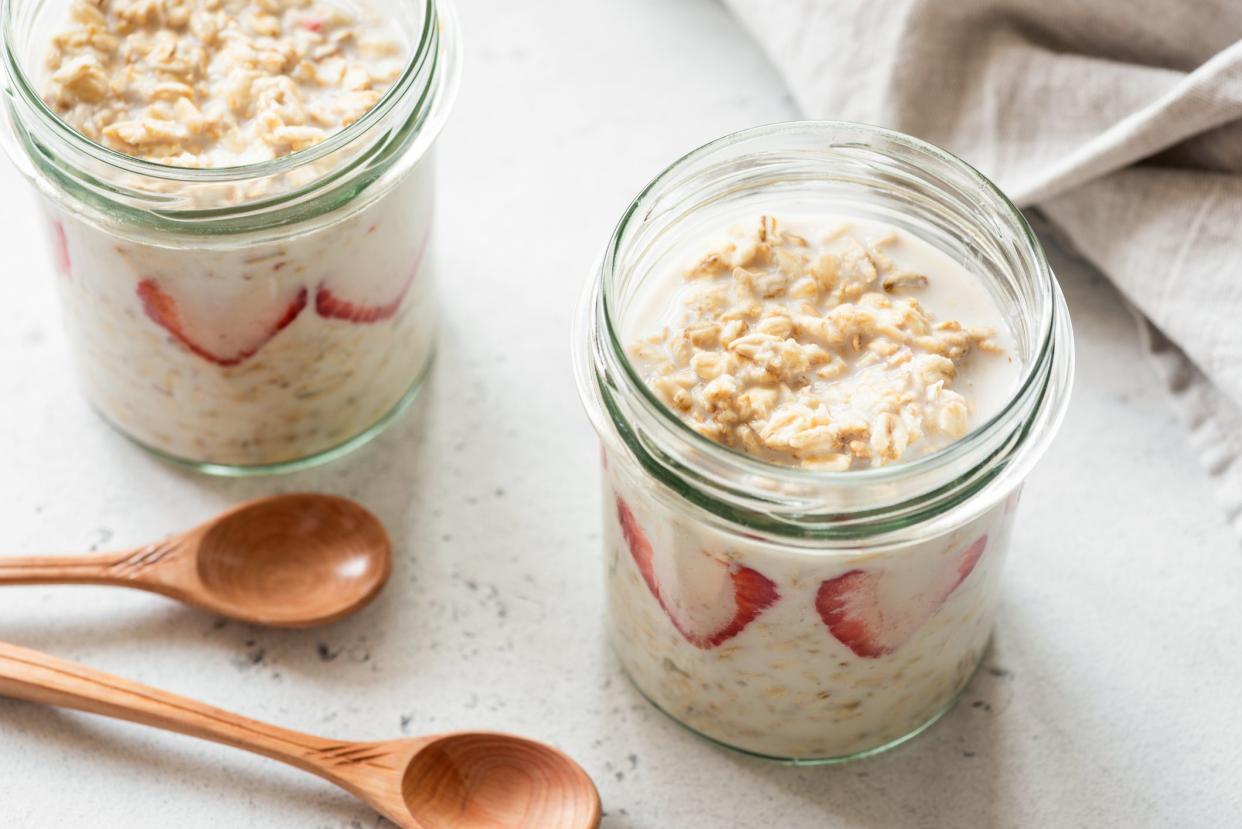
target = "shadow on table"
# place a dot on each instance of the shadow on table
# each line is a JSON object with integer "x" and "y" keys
{"x": 382, "y": 475}
{"x": 369, "y": 474}
{"x": 964, "y": 771}
{"x": 273, "y": 789}
{"x": 948, "y": 776}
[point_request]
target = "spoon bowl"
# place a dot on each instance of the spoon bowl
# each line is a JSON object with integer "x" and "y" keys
{"x": 293, "y": 560}
{"x": 496, "y": 780}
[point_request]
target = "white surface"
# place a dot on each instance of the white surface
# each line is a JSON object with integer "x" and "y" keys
{"x": 1119, "y": 641}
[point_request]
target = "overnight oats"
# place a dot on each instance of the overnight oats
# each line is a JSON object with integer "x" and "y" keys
{"x": 240, "y": 200}
{"x": 821, "y": 359}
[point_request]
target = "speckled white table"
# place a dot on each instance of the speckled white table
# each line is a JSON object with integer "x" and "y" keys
{"x": 1111, "y": 696}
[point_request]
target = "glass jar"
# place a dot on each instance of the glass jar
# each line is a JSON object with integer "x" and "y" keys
{"x": 255, "y": 318}
{"x": 744, "y": 596}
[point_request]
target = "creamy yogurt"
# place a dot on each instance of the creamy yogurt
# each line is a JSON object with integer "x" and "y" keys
{"x": 795, "y": 655}
{"x": 265, "y": 353}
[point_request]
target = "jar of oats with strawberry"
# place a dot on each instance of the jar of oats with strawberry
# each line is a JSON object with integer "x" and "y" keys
{"x": 822, "y": 359}
{"x": 239, "y": 198}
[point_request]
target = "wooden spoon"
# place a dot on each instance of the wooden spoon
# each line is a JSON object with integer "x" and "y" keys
{"x": 290, "y": 561}
{"x": 466, "y": 780}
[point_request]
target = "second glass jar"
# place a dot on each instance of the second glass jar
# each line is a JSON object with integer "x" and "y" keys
{"x": 255, "y": 318}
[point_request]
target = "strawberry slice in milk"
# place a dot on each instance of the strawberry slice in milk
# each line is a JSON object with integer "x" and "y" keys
{"x": 875, "y": 612}
{"x": 225, "y": 327}
{"x": 709, "y": 601}
{"x": 60, "y": 248}
{"x": 371, "y": 295}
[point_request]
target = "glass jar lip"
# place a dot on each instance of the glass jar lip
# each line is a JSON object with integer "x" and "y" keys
{"x": 748, "y": 464}
{"x": 25, "y": 89}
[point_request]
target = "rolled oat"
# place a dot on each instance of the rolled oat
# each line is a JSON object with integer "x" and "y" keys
{"x": 812, "y": 349}
{"x": 216, "y": 83}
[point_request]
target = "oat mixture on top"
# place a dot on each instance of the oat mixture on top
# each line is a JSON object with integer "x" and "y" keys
{"x": 812, "y": 353}
{"x": 217, "y": 83}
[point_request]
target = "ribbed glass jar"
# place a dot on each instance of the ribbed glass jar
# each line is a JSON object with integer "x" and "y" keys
{"x": 788, "y": 565}
{"x": 255, "y": 318}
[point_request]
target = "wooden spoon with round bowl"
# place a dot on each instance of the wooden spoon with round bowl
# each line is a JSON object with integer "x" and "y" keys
{"x": 465, "y": 780}
{"x": 295, "y": 561}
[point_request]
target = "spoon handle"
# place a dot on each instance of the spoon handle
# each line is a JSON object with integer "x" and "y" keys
{"x": 37, "y": 677}
{"x": 130, "y": 568}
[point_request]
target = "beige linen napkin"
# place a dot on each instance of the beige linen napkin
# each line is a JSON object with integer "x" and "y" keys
{"x": 1120, "y": 120}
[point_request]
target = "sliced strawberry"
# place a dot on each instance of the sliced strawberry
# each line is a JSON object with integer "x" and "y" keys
{"x": 711, "y": 601}
{"x": 225, "y": 333}
{"x": 373, "y": 296}
{"x": 330, "y": 306}
{"x": 874, "y": 614}
{"x": 966, "y": 563}
{"x": 60, "y": 250}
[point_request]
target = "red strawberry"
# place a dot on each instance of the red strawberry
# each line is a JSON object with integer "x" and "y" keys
{"x": 366, "y": 309}
{"x": 225, "y": 336}
{"x": 860, "y": 613}
{"x": 330, "y": 306}
{"x": 60, "y": 249}
{"x": 715, "y": 600}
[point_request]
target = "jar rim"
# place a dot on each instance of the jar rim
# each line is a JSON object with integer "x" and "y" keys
{"x": 135, "y": 195}
{"x": 24, "y": 87}
{"x": 934, "y": 467}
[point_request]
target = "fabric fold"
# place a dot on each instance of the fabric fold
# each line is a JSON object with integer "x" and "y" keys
{"x": 1119, "y": 121}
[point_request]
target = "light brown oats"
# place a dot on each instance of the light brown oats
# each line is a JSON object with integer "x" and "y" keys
{"x": 814, "y": 356}
{"x": 211, "y": 83}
